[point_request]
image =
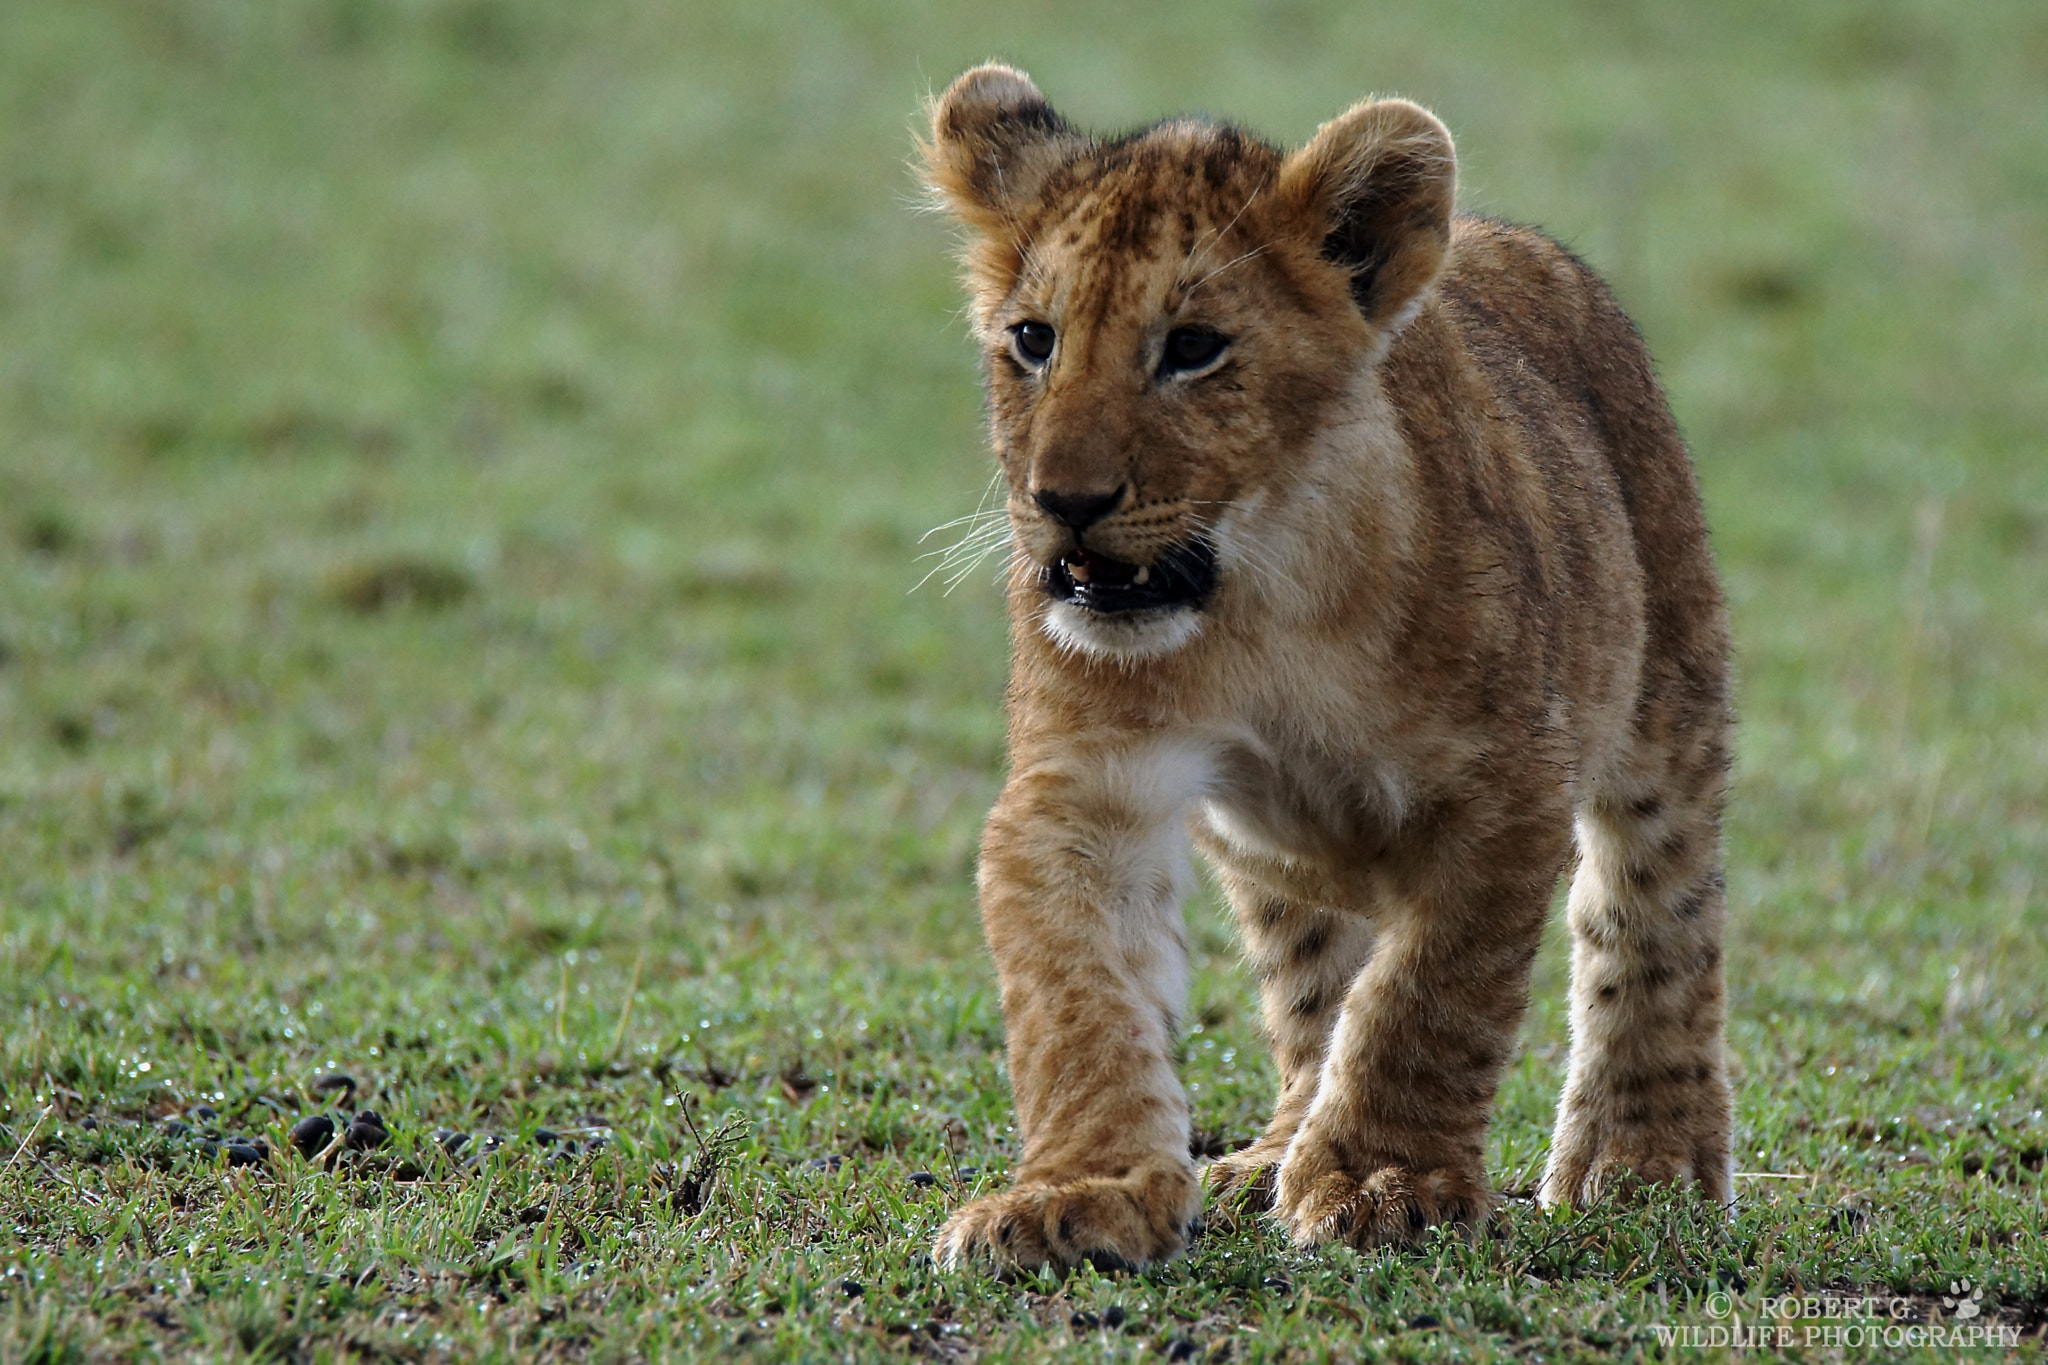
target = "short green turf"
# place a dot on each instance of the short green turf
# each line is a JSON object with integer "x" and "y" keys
{"x": 463, "y": 466}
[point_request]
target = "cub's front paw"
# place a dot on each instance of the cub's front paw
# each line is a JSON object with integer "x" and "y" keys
{"x": 1591, "y": 1159}
{"x": 1378, "y": 1204}
{"x": 1113, "y": 1224}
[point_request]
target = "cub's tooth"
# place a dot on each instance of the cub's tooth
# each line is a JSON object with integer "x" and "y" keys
{"x": 1077, "y": 572}
{"x": 1141, "y": 576}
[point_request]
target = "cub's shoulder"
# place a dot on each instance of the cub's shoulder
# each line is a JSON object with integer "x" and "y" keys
{"x": 1509, "y": 268}
{"x": 1528, "y": 312}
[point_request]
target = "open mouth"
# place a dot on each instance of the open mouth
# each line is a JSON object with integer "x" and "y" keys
{"x": 1183, "y": 577}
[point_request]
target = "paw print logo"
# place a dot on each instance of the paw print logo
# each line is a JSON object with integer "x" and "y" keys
{"x": 1963, "y": 1301}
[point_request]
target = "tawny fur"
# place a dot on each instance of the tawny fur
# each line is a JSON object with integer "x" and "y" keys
{"x": 1464, "y": 622}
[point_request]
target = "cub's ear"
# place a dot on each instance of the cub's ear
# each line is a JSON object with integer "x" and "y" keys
{"x": 1377, "y": 183}
{"x": 994, "y": 142}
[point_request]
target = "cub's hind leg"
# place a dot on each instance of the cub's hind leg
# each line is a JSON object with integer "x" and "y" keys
{"x": 1306, "y": 958}
{"x": 1646, "y": 1097}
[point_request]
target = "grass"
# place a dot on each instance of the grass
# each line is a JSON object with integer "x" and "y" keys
{"x": 462, "y": 466}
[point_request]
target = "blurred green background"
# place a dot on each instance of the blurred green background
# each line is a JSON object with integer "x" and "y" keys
{"x": 462, "y": 472}
{"x": 614, "y": 326}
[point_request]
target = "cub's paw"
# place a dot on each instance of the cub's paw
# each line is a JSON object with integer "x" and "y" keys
{"x": 1242, "y": 1184}
{"x": 1591, "y": 1161}
{"x": 1389, "y": 1205}
{"x": 1112, "y": 1224}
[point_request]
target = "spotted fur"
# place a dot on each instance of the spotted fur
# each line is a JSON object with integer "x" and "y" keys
{"x": 1460, "y": 632}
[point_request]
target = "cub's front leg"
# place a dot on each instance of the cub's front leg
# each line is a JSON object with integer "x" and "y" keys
{"x": 1082, "y": 871}
{"x": 1393, "y": 1141}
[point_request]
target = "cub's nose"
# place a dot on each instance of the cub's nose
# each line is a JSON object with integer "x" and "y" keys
{"x": 1078, "y": 511}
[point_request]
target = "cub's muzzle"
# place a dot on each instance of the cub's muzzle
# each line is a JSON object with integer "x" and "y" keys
{"x": 1182, "y": 577}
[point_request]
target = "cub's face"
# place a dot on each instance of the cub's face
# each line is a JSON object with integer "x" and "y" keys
{"x": 1167, "y": 321}
{"x": 1151, "y": 366}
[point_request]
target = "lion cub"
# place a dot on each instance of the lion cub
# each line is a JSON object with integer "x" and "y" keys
{"x": 1354, "y": 544}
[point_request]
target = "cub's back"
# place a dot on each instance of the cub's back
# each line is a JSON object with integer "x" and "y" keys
{"x": 1550, "y": 373}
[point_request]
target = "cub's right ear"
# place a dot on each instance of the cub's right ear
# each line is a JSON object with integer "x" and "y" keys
{"x": 1376, "y": 185}
{"x": 994, "y": 142}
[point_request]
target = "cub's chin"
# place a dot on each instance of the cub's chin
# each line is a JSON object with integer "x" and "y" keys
{"x": 1119, "y": 610}
{"x": 1127, "y": 636}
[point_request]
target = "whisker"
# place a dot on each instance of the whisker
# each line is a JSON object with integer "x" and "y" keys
{"x": 981, "y": 533}
{"x": 1207, "y": 240}
{"x": 972, "y": 544}
{"x": 973, "y": 539}
{"x": 978, "y": 525}
{"x": 972, "y": 519}
{"x": 1240, "y": 260}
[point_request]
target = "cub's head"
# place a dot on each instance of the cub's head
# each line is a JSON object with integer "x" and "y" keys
{"x": 1168, "y": 320}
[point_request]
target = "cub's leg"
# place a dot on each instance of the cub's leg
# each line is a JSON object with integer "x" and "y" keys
{"x": 1646, "y": 1097}
{"x": 1393, "y": 1142}
{"x": 1306, "y": 958}
{"x": 1082, "y": 871}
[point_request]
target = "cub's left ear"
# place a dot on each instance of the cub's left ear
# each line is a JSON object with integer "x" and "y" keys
{"x": 1378, "y": 184}
{"x": 994, "y": 142}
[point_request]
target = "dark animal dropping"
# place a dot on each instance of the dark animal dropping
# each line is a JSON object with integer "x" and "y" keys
{"x": 310, "y": 1134}
{"x": 363, "y": 1136}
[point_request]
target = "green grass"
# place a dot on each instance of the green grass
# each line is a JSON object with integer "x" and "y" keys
{"x": 462, "y": 466}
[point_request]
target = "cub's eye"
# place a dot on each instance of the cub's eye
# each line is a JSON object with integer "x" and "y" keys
{"x": 1191, "y": 348}
{"x": 1033, "y": 342}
